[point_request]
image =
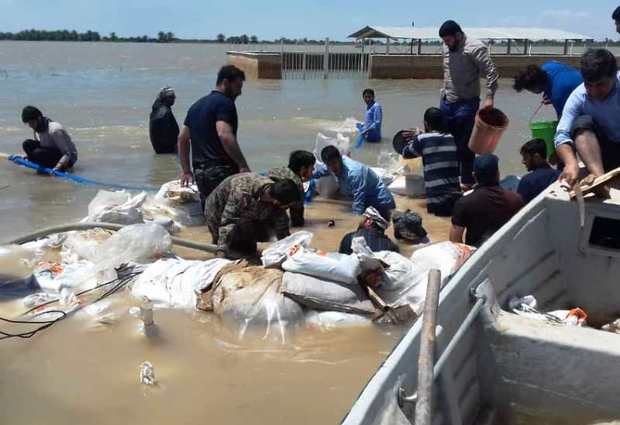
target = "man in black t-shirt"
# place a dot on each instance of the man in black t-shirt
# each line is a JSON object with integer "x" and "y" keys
{"x": 483, "y": 211}
{"x": 211, "y": 129}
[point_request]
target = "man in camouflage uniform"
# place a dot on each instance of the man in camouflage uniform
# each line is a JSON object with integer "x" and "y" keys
{"x": 299, "y": 170}
{"x": 247, "y": 208}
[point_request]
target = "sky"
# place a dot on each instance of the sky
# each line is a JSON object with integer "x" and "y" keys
{"x": 271, "y": 19}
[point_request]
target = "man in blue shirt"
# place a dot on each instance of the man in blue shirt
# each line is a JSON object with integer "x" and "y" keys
{"x": 371, "y": 130}
{"x": 590, "y": 123}
{"x": 356, "y": 181}
{"x": 541, "y": 175}
{"x": 554, "y": 79}
{"x": 441, "y": 163}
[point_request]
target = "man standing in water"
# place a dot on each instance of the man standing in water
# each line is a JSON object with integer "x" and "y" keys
{"x": 52, "y": 146}
{"x": 211, "y": 129}
{"x": 616, "y": 17}
{"x": 371, "y": 129}
{"x": 465, "y": 60}
{"x": 163, "y": 127}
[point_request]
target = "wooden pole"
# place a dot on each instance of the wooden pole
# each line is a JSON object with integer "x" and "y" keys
{"x": 426, "y": 359}
{"x": 326, "y": 59}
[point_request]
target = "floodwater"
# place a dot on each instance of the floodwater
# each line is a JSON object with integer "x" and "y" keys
{"x": 75, "y": 372}
{"x": 102, "y": 92}
{"x": 83, "y": 371}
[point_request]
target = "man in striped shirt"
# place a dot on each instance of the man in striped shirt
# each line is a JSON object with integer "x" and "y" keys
{"x": 440, "y": 158}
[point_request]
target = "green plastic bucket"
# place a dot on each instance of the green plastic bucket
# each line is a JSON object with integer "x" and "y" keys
{"x": 545, "y": 130}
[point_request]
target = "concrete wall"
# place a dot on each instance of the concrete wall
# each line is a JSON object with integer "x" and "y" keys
{"x": 257, "y": 65}
{"x": 430, "y": 66}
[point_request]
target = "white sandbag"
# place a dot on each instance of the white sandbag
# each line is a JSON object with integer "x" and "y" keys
{"x": 448, "y": 257}
{"x": 404, "y": 284}
{"x": 277, "y": 252}
{"x": 398, "y": 186}
{"x": 326, "y": 320}
{"x": 251, "y": 300}
{"x": 116, "y": 207}
{"x": 328, "y": 187}
{"x": 325, "y": 295}
{"x": 138, "y": 242}
{"x": 176, "y": 283}
{"x": 16, "y": 263}
{"x": 181, "y": 204}
{"x": 174, "y": 194}
{"x": 332, "y": 266}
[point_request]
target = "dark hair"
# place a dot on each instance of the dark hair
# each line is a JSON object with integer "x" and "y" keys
{"x": 300, "y": 159}
{"x": 285, "y": 191}
{"x": 535, "y": 146}
{"x": 30, "y": 113}
{"x": 230, "y": 73}
{"x": 435, "y": 119}
{"x": 616, "y": 15}
{"x": 597, "y": 64}
{"x": 530, "y": 78}
{"x": 449, "y": 28}
{"x": 330, "y": 153}
{"x": 368, "y": 91}
{"x": 486, "y": 168}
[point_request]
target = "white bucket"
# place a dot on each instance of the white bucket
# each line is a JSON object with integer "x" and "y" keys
{"x": 414, "y": 185}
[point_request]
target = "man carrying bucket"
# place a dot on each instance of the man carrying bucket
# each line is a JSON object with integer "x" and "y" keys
{"x": 465, "y": 60}
{"x": 589, "y": 125}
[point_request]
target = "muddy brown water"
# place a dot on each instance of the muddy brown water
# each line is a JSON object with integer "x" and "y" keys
{"x": 82, "y": 371}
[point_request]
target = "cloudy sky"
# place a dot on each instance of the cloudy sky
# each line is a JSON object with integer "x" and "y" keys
{"x": 269, "y": 19}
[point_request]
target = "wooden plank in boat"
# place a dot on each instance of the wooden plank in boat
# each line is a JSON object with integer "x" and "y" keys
{"x": 603, "y": 180}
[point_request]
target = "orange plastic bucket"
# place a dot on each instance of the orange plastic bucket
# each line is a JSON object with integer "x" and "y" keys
{"x": 488, "y": 129}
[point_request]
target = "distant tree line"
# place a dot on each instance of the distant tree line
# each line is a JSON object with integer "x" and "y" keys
{"x": 66, "y": 35}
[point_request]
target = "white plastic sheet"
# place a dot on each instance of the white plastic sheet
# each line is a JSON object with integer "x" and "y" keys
{"x": 135, "y": 243}
{"x": 176, "y": 283}
{"x": 116, "y": 207}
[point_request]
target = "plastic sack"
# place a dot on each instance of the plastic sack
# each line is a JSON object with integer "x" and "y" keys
{"x": 325, "y": 295}
{"x": 138, "y": 242}
{"x": 16, "y": 263}
{"x": 277, "y": 252}
{"x": 383, "y": 174}
{"x": 175, "y": 283}
{"x": 75, "y": 275}
{"x": 447, "y": 257}
{"x": 398, "y": 186}
{"x": 326, "y": 320}
{"x": 174, "y": 194}
{"x": 341, "y": 142}
{"x": 251, "y": 300}
{"x": 332, "y": 266}
{"x": 116, "y": 207}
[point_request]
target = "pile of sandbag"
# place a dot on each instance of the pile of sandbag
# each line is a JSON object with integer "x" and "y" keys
{"x": 177, "y": 283}
{"x": 173, "y": 207}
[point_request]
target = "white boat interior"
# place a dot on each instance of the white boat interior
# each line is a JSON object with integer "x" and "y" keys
{"x": 493, "y": 366}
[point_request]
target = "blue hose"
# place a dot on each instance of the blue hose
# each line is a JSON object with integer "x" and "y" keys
{"x": 77, "y": 179}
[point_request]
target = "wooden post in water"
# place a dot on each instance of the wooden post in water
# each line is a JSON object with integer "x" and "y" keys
{"x": 426, "y": 359}
{"x": 419, "y": 46}
{"x": 509, "y": 47}
{"x": 326, "y": 59}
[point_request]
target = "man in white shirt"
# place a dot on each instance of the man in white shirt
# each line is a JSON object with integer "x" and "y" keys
{"x": 52, "y": 146}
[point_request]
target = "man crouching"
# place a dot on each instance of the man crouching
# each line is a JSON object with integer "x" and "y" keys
{"x": 248, "y": 208}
